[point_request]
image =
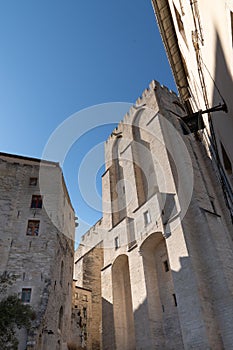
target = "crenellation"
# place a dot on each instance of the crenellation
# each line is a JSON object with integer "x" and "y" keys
{"x": 157, "y": 245}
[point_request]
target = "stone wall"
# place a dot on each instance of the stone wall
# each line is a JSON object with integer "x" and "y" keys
{"x": 41, "y": 256}
{"x": 166, "y": 279}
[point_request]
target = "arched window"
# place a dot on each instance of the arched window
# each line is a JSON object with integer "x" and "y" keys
{"x": 118, "y": 200}
{"x": 144, "y": 172}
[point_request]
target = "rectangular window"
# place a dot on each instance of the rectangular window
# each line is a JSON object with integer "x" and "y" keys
{"x": 85, "y": 312}
{"x": 33, "y": 227}
{"x": 147, "y": 218}
{"x": 174, "y": 298}
{"x": 33, "y": 181}
{"x": 36, "y": 201}
{"x": 166, "y": 266}
{"x": 26, "y": 295}
{"x": 117, "y": 243}
{"x": 84, "y": 297}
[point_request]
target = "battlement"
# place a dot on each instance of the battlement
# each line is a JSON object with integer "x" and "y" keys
{"x": 140, "y": 102}
{"x": 92, "y": 233}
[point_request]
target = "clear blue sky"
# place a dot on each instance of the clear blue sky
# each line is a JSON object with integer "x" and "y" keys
{"x": 59, "y": 57}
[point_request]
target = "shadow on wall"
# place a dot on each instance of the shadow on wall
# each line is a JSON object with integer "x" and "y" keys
{"x": 108, "y": 335}
{"x": 223, "y": 122}
{"x": 175, "y": 311}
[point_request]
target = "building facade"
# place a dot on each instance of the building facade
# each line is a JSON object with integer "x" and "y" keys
{"x": 37, "y": 246}
{"x": 198, "y": 38}
{"x": 165, "y": 240}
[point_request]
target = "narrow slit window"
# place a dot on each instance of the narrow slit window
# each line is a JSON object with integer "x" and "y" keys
{"x": 174, "y": 298}
{"x": 166, "y": 266}
{"x": 36, "y": 201}
{"x": 33, "y": 227}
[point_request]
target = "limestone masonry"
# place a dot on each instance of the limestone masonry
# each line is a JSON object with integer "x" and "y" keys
{"x": 159, "y": 262}
{"x": 155, "y": 272}
{"x": 37, "y": 246}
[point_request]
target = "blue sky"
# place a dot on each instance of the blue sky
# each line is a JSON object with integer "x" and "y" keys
{"x": 60, "y": 57}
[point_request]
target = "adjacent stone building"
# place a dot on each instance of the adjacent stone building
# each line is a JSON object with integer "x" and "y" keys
{"x": 162, "y": 253}
{"x": 37, "y": 246}
{"x": 198, "y": 37}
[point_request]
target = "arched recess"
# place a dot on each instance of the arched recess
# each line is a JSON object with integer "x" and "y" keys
{"x": 118, "y": 201}
{"x": 161, "y": 297}
{"x": 60, "y": 319}
{"x": 122, "y": 304}
{"x": 144, "y": 171}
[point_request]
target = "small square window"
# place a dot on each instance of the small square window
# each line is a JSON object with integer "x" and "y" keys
{"x": 147, "y": 218}
{"x": 33, "y": 227}
{"x": 117, "y": 243}
{"x": 36, "y": 201}
{"x": 26, "y": 295}
{"x": 33, "y": 181}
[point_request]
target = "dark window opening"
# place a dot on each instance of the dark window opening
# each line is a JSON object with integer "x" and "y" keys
{"x": 36, "y": 201}
{"x": 85, "y": 312}
{"x": 33, "y": 181}
{"x": 166, "y": 266}
{"x": 60, "y": 320}
{"x": 117, "y": 244}
{"x": 26, "y": 295}
{"x": 175, "y": 301}
{"x": 226, "y": 161}
{"x": 33, "y": 227}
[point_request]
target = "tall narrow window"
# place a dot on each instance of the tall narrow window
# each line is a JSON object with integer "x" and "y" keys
{"x": 117, "y": 242}
{"x": 62, "y": 273}
{"x": 60, "y": 320}
{"x": 26, "y": 295}
{"x": 147, "y": 218}
{"x": 166, "y": 266}
{"x": 36, "y": 201}
{"x": 174, "y": 298}
{"x": 226, "y": 161}
{"x": 33, "y": 227}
